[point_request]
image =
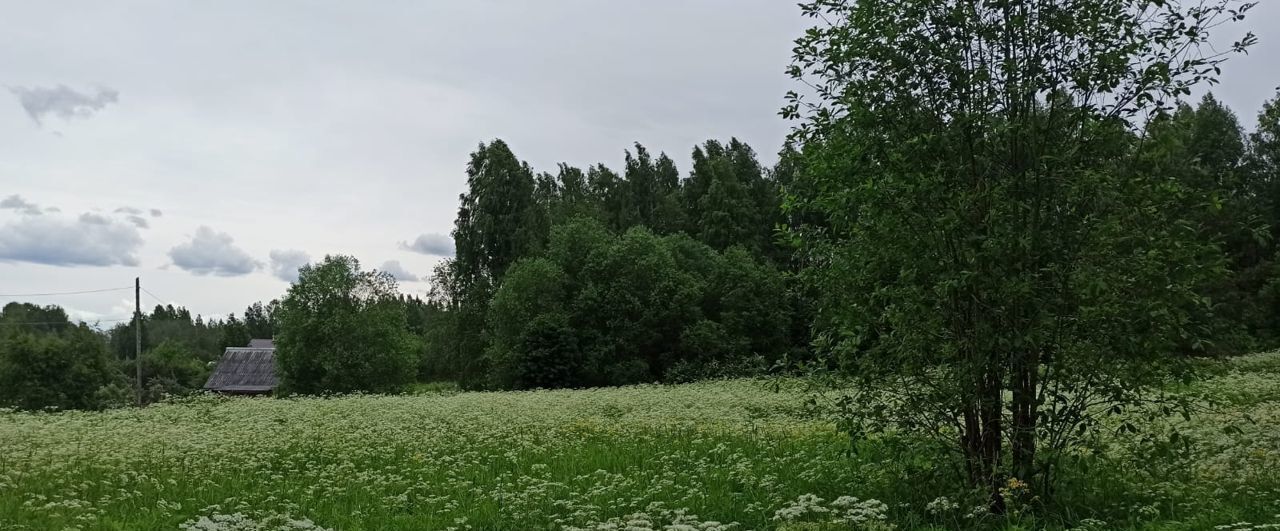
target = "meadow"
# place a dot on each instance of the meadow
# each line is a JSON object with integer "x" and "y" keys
{"x": 738, "y": 454}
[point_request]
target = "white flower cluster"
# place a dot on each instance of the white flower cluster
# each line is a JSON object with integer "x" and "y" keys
{"x": 727, "y": 451}
{"x": 243, "y": 522}
{"x": 1247, "y": 526}
{"x": 736, "y": 454}
{"x": 655, "y": 518}
{"x": 941, "y": 505}
{"x": 845, "y": 510}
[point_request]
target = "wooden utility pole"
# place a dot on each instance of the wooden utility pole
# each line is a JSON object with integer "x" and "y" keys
{"x": 137, "y": 335}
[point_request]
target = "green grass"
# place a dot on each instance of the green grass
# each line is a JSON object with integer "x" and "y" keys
{"x": 715, "y": 455}
{"x": 428, "y": 388}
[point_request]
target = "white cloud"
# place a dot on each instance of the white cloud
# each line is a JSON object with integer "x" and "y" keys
{"x": 434, "y": 244}
{"x": 285, "y": 263}
{"x": 212, "y": 253}
{"x": 393, "y": 268}
{"x": 62, "y": 101}
{"x": 90, "y": 240}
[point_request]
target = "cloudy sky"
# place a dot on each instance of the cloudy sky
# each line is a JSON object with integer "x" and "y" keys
{"x": 212, "y": 147}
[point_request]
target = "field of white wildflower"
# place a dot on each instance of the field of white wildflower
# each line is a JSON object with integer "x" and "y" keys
{"x": 710, "y": 456}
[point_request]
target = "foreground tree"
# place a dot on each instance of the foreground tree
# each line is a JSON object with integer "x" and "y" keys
{"x": 980, "y": 237}
{"x": 340, "y": 329}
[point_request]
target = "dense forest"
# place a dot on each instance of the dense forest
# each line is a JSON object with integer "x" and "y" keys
{"x": 601, "y": 277}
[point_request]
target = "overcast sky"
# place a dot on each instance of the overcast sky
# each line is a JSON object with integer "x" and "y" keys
{"x": 211, "y": 148}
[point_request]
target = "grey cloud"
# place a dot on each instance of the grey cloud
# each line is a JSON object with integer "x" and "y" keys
{"x": 16, "y": 202}
{"x": 434, "y": 244}
{"x": 94, "y": 219}
{"x": 393, "y": 268}
{"x": 212, "y": 253}
{"x": 62, "y": 101}
{"x": 155, "y": 213}
{"x": 52, "y": 209}
{"x": 128, "y": 210}
{"x": 285, "y": 263}
{"x": 55, "y": 240}
{"x": 139, "y": 221}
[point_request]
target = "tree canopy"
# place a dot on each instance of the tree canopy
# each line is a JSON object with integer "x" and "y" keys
{"x": 342, "y": 329}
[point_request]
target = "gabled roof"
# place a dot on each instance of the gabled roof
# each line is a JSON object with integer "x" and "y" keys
{"x": 244, "y": 370}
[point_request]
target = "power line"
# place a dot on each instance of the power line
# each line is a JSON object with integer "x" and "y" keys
{"x": 153, "y": 295}
{"x": 68, "y": 322}
{"x": 64, "y": 292}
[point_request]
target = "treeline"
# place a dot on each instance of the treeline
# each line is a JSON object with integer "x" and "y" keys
{"x": 47, "y": 361}
{"x": 1232, "y": 181}
{"x": 599, "y": 277}
{"x": 602, "y": 278}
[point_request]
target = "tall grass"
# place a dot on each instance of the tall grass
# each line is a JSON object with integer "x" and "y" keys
{"x": 716, "y": 455}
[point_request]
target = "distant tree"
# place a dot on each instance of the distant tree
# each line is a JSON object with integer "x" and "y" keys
{"x": 609, "y": 193}
{"x": 504, "y": 216}
{"x": 600, "y": 309}
{"x": 54, "y": 364}
{"x": 574, "y": 198}
{"x": 987, "y": 248}
{"x": 650, "y": 193}
{"x": 1203, "y": 147}
{"x": 729, "y": 200}
{"x": 171, "y": 369}
{"x": 342, "y": 329}
{"x": 499, "y": 220}
{"x": 535, "y": 288}
{"x": 1264, "y": 157}
{"x": 1264, "y": 188}
{"x": 235, "y": 333}
{"x": 259, "y": 320}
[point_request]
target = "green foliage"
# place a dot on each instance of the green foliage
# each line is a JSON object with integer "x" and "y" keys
{"x": 205, "y": 340}
{"x": 235, "y": 333}
{"x": 599, "y": 309}
{"x": 653, "y": 286}
{"x": 51, "y": 365}
{"x": 1204, "y": 149}
{"x": 259, "y": 320}
{"x": 650, "y": 193}
{"x": 341, "y": 329}
{"x": 984, "y": 241}
{"x": 729, "y": 200}
{"x": 499, "y": 220}
{"x": 174, "y": 369}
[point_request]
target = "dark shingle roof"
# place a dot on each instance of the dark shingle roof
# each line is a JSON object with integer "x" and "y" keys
{"x": 261, "y": 343}
{"x": 244, "y": 370}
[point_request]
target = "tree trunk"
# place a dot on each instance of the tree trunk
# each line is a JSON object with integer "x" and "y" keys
{"x": 1024, "y": 381}
{"x": 993, "y": 409}
{"x": 982, "y": 437}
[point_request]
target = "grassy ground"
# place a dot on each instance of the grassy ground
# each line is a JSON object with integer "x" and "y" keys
{"x": 720, "y": 455}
